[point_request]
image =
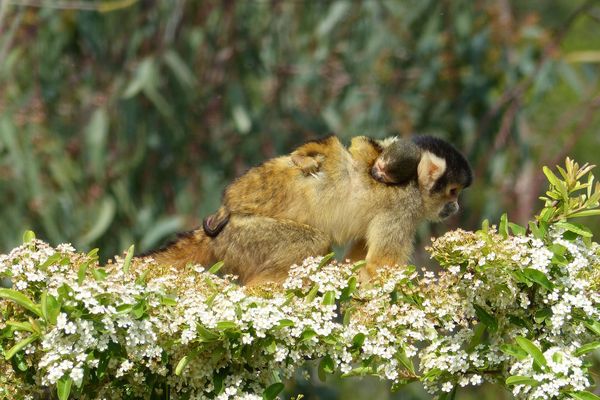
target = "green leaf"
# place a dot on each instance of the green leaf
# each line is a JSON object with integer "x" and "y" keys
{"x": 594, "y": 327}
{"x": 82, "y": 271}
{"x": 538, "y": 277}
{"x": 521, "y": 380}
{"x": 329, "y": 298}
{"x": 583, "y": 396}
{"x": 486, "y": 318}
{"x": 554, "y": 179}
{"x": 20, "y": 326}
{"x": 348, "y": 315}
{"x": 181, "y": 365}
{"x": 477, "y": 338}
{"x": 285, "y": 323}
{"x": 358, "y": 265}
{"x": 50, "y": 308}
{"x": 168, "y": 301}
{"x": 307, "y": 335}
{"x": 514, "y": 351}
{"x": 179, "y": 68}
{"x": 105, "y": 214}
{"x": 587, "y": 348}
{"x": 578, "y": 229}
{"x": 517, "y": 229}
{"x": 326, "y": 260}
{"x": 272, "y": 391}
{"x": 585, "y": 213}
{"x": 63, "y": 388}
{"x": 405, "y": 361}
{"x": 22, "y": 300}
{"x": 224, "y": 325}
{"x": 532, "y": 350}
{"x": 28, "y": 236}
{"x": 312, "y": 294}
{"x": 20, "y": 345}
{"x": 326, "y": 366}
{"x": 358, "y": 339}
{"x": 128, "y": 257}
{"x": 541, "y": 315}
{"x": 216, "y": 267}
{"x": 206, "y": 335}
{"x": 503, "y": 227}
{"x": 100, "y": 274}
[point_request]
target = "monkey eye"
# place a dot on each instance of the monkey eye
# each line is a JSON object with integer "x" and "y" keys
{"x": 453, "y": 191}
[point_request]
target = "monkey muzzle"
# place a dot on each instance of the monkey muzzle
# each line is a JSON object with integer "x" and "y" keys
{"x": 449, "y": 209}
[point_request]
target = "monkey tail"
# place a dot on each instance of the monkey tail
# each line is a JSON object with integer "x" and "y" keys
{"x": 214, "y": 224}
{"x": 193, "y": 247}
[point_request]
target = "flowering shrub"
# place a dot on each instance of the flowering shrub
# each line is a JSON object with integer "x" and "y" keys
{"x": 515, "y": 306}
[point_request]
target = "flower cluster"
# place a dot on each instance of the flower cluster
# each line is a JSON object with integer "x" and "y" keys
{"x": 521, "y": 310}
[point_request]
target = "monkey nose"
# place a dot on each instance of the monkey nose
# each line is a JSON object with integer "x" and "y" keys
{"x": 449, "y": 209}
{"x": 377, "y": 174}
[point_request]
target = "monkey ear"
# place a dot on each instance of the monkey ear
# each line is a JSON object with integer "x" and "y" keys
{"x": 430, "y": 169}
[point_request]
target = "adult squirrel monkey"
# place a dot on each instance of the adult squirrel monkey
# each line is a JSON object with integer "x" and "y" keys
{"x": 374, "y": 193}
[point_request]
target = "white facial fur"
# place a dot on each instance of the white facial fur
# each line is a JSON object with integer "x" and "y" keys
{"x": 430, "y": 169}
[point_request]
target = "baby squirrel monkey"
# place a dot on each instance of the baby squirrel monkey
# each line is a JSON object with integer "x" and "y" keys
{"x": 375, "y": 193}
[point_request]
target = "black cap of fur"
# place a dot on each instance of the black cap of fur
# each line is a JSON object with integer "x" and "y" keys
{"x": 458, "y": 170}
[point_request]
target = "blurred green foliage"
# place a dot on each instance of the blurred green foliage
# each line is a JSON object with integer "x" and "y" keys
{"x": 122, "y": 121}
{"x": 123, "y": 127}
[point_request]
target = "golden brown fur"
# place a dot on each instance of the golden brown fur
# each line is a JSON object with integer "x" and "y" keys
{"x": 298, "y": 205}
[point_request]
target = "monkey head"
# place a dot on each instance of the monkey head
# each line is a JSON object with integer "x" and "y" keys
{"x": 439, "y": 170}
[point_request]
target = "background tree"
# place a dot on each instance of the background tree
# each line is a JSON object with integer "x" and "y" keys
{"x": 121, "y": 121}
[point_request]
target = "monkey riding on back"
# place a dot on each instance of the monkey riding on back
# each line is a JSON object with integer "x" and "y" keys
{"x": 373, "y": 194}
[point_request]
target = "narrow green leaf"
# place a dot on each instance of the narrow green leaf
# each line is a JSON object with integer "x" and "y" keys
{"x": 224, "y": 325}
{"x": 105, "y": 216}
{"x": 128, "y": 257}
{"x": 272, "y": 391}
{"x": 50, "y": 308}
{"x": 181, "y": 365}
{"x": 63, "y": 388}
{"x": 216, "y": 267}
{"x": 329, "y": 298}
{"x": 583, "y": 396}
{"x": 312, "y": 294}
{"x": 587, "y": 348}
{"x": 517, "y": 229}
{"x": 405, "y": 361}
{"x": 326, "y": 260}
{"x": 81, "y": 272}
{"x": 503, "y": 227}
{"x": 22, "y": 300}
{"x": 486, "y": 318}
{"x": 20, "y": 345}
{"x": 477, "y": 338}
{"x": 541, "y": 315}
{"x": 521, "y": 380}
{"x": 358, "y": 265}
{"x": 285, "y": 323}
{"x": 307, "y": 335}
{"x": 206, "y": 335}
{"x": 575, "y": 228}
{"x": 20, "y": 326}
{"x": 168, "y": 301}
{"x": 594, "y": 327}
{"x": 532, "y": 350}
{"x": 100, "y": 274}
{"x": 28, "y": 236}
{"x": 514, "y": 351}
{"x": 585, "y": 213}
{"x": 538, "y": 277}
